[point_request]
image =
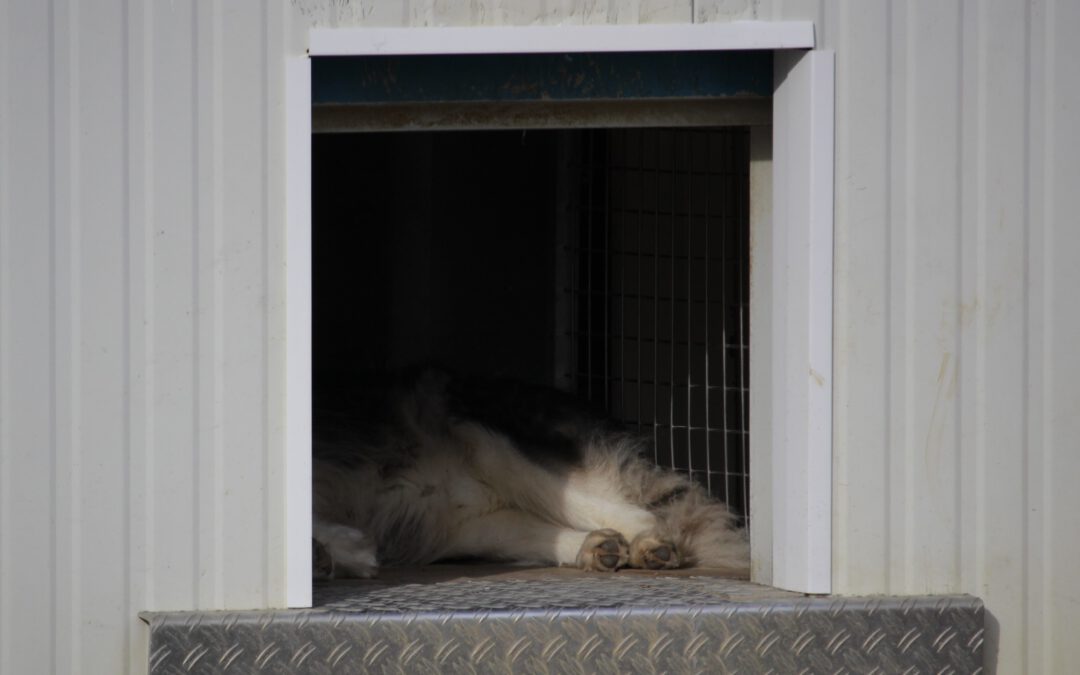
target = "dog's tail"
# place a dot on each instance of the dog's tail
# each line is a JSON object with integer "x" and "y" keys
{"x": 703, "y": 528}
{"x": 704, "y": 531}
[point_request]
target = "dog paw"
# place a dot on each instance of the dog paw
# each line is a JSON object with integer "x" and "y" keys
{"x": 652, "y": 552}
{"x": 342, "y": 552}
{"x": 603, "y": 551}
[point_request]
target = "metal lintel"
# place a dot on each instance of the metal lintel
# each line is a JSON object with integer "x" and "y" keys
{"x": 541, "y": 115}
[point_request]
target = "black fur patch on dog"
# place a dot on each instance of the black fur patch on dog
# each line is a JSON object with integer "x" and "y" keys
{"x": 547, "y": 426}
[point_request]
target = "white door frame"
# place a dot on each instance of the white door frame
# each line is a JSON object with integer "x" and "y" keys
{"x": 298, "y": 362}
{"x": 801, "y": 331}
{"x": 800, "y": 260}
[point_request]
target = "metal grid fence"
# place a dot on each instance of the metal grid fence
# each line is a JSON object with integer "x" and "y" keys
{"x": 658, "y": 250}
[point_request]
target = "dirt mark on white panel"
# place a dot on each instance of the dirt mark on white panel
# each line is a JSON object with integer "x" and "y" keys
{"x": 946, "y": 392}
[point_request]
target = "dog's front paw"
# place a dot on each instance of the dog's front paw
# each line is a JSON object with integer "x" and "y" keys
{"x": 651, "y": 551}
{"x": 603, "y": 551}
{"x": 341, "y": 552}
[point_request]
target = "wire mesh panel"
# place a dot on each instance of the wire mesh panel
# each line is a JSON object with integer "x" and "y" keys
{"x": 658, "y": 245}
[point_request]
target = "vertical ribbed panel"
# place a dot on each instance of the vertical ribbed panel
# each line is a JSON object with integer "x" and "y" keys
{"x": 6, "y": 465}
{"x": 957, "y": 389}
{"x": 171, "y": 329}
{"x": 91, "y": 325}
{"x": 244, "y": 332}
{"x": 137, "y": 252}
{"x": 140, "y": 200}
{"x": 28, "y": 401}
{"x": 329, "y": 13}
{"x": 1057, "y": 418}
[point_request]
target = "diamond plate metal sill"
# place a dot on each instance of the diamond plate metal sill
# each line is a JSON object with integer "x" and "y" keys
{"x": 609, "y": 624}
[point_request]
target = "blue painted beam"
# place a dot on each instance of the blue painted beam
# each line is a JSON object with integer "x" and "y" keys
{"x": 540, "y": 77}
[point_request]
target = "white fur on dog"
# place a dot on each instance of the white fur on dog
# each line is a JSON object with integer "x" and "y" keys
{"x": 460, "y": 489}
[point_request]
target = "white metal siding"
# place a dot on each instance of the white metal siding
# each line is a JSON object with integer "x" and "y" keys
{"x": 141, "y": 318}
{"x": 957, "y": 319}
{"x": 141, "y": 322}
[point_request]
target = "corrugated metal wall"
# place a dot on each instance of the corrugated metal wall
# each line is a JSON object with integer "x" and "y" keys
{"x": 957, "y": 378}
{"x": 141, "y": 237}
{"x": 141, "y": 227}
{"x": 957, "y": 381}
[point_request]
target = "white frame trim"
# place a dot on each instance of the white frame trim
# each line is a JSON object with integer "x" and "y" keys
{"x": 802, "y": 284}
{"x": 563, "y": 39}
{"x": 802, "y": 326}
{"x": 298, "y": 353}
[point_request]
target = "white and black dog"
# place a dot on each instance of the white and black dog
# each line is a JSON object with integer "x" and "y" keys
{"x": 438, "y": 468}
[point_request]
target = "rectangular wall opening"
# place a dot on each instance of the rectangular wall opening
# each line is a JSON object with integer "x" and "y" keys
{"x": 612, "y": 263}
{"x": 797, "y": 101}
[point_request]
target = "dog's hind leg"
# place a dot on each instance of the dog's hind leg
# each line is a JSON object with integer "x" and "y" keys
{"x": 581, "y": 499}
{"x": 577, "y": 498}
{"x": 591, "y": 507}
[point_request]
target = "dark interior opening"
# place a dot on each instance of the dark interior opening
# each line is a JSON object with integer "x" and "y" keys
{"x": 434, "y": 248}
{"x": 608, "y": 262}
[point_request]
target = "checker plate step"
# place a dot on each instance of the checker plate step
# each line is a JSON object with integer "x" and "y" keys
{"x": 600, "y": 624}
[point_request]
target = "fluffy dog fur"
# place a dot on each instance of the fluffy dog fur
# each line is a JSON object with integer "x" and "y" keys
{"x": 442, "y": 468}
